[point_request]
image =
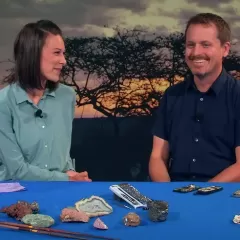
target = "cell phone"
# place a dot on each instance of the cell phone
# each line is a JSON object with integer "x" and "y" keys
{"x": 208, "y": 190}
{"x": 186, "y": 189}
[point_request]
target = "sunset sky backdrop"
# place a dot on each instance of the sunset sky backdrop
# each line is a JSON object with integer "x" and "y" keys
{"x": 88, "y": 18}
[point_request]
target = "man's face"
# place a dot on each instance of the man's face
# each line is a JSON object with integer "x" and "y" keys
{"x": 52, "y": 59}
{"x": 204, "y": 52}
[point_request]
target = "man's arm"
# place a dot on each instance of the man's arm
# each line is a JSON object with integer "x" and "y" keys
{"x": 160, "y": 151}
{"x": 159, "y": 160}
{"x": 230, "y": 174}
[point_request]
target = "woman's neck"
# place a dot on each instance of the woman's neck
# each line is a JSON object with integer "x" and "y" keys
{"x": 35, "y": 95}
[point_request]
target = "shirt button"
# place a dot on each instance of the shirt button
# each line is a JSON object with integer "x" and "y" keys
{"x": 43, "y": 126}
{"x": 201, "y": 99}
{"x": 45, "y": 146}
{"x": 46, "y": 165}
{"x": 194, "y": 160}
{"x": 196, "y": 139}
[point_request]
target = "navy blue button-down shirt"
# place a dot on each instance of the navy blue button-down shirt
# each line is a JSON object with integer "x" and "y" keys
{"x": 203, "y": 129}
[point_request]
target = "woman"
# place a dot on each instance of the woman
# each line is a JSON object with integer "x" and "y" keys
{"x": 36, "y": 111}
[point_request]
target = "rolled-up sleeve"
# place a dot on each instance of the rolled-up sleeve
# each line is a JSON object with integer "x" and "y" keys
{"x": 12, "y": 157}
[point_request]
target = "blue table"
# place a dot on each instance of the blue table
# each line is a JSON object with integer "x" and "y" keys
{"x": 190, "y": 216}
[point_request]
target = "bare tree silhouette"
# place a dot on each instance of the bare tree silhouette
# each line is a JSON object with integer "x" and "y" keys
{"x": 128, "y": 58}
{"x": 175, "y": 63}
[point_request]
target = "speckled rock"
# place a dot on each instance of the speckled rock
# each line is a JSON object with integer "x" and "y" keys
{"x": 38, "y": 220}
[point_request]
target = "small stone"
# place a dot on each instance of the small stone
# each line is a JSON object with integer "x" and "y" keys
{"x": 236, "y": 193}
{"x": 131, "y": 219}
{"x": 20, "y": 209}
{"x": 236, "y": 219}
{"x": 38, "y": 220}
{"x": 73, "y": 215}
{"x": 99, "y": 224}
{"x": 158, "y": 210}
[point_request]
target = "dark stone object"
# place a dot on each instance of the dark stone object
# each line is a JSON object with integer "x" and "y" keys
{"x": 158, "y": 210}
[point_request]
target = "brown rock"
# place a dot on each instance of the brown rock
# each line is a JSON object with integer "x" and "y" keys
{"x": 20, "y": 209}
{"x": 131, "y": 219}
{"x": 73, "y": 215}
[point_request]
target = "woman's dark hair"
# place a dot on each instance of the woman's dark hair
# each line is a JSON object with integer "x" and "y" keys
{"x": 28, "y": 47}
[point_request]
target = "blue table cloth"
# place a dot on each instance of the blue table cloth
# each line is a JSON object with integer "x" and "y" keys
{"x": 190, "y": 216}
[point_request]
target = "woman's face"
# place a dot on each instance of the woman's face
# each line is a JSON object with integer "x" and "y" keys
{"x": 52, "y": 59}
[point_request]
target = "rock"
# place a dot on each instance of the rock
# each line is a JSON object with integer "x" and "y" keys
{"x": 38, "y": 220}
{"x": 20, "y": 209}
{"x": 73, "y": 215}
{"x": 94, "y": 206}
{"x": 236, "y": 219}
{"x": 236, "y": 193}
{"x": 131, "y": 219}
{"x": 158, "y": 210}
{"x": 99, "y": 224}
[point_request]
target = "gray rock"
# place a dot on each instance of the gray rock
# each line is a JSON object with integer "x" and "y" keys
{"x": 38, "y": 220}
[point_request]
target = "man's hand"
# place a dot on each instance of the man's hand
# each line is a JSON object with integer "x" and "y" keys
{"x": 75, "y": 176}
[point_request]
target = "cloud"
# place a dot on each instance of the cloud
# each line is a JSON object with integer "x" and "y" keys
{"x": 74, "y": 12}
{"x": 209, "y": 3}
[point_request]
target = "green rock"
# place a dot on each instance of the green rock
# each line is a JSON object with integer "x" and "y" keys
{"x": 38, "y": 220}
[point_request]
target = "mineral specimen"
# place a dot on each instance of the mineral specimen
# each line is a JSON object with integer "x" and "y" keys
{"x": 134, "y": 192}
{"x": 236, "y": 219}
{"x": 236, "y": 194}
{"x": 38, "y": 220}
{"x": 99, "y": 224}
{"x": 73, "y": 215}
{"x": 20, "y": 209}
{"x": 158, "y": 210}
{"x": 94, "y": 206}
{"x": 131, "y": 219}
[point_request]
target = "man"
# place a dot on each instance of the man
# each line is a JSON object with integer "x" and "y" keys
{"x": 197, "y": 130}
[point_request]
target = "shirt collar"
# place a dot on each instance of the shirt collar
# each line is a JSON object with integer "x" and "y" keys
{"x": 21, "y": 95}
{"x": 216, "y": 86}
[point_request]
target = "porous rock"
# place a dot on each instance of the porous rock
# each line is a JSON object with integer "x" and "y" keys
{"x": 20, "y": 209}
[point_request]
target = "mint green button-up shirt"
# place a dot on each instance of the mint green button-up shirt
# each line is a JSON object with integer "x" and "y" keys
{"x": 34, "y": 148}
